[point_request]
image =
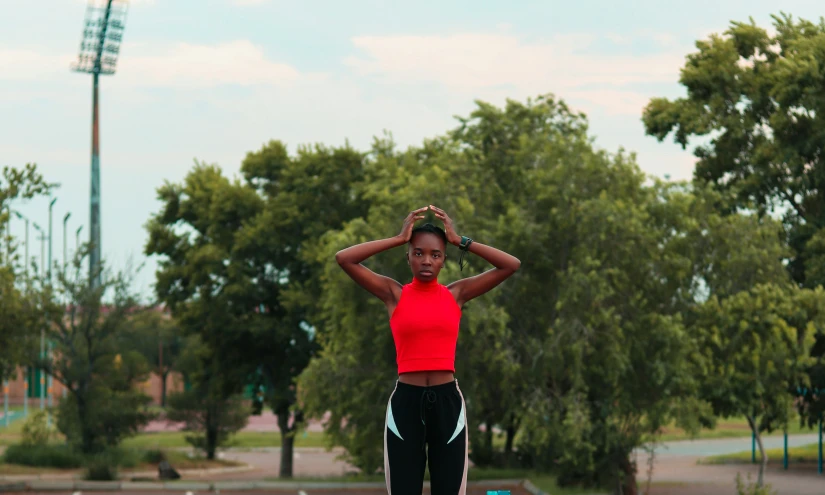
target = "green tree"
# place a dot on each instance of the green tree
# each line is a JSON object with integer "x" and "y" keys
{"x": 614, "y": 363}
{"x": 86, "y": 324}
{"x": 18, "y": 316}
{"x": 756, "y": 347}
{"x": 303, "y": 196}
{"x": 497, "y": 152}
{"x": 194, "y": 234}
{"x": 755, "y": 108}
{"x": 757, "y": 97}
{"x": 210, "y": 410}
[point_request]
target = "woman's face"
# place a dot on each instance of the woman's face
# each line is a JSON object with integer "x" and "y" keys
{"x": 426, "y": 256}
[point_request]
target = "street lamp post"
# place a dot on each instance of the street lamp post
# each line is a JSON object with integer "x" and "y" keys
{"x": 77, "y": 238}
{"x": 65, "y": 262}
{"x": 41, "y": 272}
{"x": 49, "y": 271}
{"x": 65, "y": 246}
{"x": 8, "y": 260}
{"x": 26, "y": 267}
{"x": 42, "y": 380}
{"x": 49, "y": 379}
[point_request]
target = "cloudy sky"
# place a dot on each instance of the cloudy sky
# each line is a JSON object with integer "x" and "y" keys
{"x": 214, "y": 79}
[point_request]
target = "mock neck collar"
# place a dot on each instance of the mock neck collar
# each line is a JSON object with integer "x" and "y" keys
{"x": 424, "y": 286}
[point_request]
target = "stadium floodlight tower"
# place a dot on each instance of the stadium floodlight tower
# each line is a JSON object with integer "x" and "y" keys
{"x": 99, "y": 48}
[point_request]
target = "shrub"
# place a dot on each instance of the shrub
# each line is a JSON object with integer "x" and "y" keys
{"x": 52, "y": 456}
{"x": 154, "y": 456}
{"x": 36, "y": 429}
{"x": 103, "y": 466}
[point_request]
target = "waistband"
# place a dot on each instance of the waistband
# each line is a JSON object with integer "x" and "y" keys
{"x": 451, "y": 385}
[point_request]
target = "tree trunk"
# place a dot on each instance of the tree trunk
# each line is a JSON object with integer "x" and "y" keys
{"x": 628, "y": 480}
{"x": 211, "y": 435}
{"x": 287, "y": 443}
{"x": 488, "y": 436}
{"x": 287, "y": 449}
{"x": 764, "y": 455}
{"x": 163, "y": 377}
{"x": 512, "y": 427}
{"x": 87, "y": 433}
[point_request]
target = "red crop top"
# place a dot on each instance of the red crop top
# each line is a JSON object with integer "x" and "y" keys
{"x": 425, "y": 327}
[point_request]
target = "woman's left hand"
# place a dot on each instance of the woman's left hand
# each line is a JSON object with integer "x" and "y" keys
{"x": 449, "y": 229}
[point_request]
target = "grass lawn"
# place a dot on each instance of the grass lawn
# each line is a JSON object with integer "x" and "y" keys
{"x": 244, "y": 439}
{"x": 178, "y": 459}
{"x": 176, "y": 439}
{"x": 803, "y": 454}
{"x": 728, "y": 428}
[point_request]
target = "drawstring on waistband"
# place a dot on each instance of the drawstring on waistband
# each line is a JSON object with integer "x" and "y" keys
{"x": 431, "y": 398}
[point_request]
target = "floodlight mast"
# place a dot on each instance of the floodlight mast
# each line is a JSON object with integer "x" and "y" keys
{"x": 99, "y": 48}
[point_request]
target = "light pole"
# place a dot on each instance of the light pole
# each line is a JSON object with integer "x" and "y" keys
{"x": 103, "y": 32}
{"x": 8, "y": 260}
{"x": 8, "y": 236}
{"x": 26, "y": 267}
{"x": 42, "y": 247}
{"x": 41, "y": 379}
{"x": 49, "y": 271}
{"x": 50, "y": 381}
{"x": 65, "y": 263}
{"x": 65, "y": 246}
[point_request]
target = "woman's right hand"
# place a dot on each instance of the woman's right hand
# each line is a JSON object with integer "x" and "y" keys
{"x": 409, "y": 222}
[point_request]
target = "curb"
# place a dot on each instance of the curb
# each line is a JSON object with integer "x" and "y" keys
{"x": 216, "y": 486}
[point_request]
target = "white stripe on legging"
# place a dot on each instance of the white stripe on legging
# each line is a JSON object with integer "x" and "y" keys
{"x": 459, "y": 424}
{"x": 386, "y": 454}
{"x": 463, "y": 489}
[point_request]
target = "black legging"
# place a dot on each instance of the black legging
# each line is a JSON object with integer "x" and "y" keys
{"x": 434, "y": 416}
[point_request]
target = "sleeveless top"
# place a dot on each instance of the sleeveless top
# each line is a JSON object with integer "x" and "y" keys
{"x": 425, "y": 327}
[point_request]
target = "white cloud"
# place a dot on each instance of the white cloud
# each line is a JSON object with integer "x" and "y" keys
{"x": 185, "y": 65}
{"x": 477, "y": 64}
{"x": 24, "y": 64}
{"x": 178, "y": 65}
{"x": 613, "y": 102}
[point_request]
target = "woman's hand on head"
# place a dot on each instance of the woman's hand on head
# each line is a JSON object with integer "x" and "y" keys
{"x": 449, "y": 228}
{"x": 409, "y": 223}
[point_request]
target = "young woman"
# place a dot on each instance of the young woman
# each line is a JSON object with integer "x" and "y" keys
{"x": 426, "y": 407}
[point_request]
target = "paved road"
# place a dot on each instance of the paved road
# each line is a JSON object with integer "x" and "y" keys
{"x": 719, "y": 446}
{"x": 676, "y": 471}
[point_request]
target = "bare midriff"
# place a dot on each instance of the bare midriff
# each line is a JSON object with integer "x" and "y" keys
{"x": 426, "y": 378}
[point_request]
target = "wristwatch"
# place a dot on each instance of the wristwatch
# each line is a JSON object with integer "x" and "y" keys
{"x": 464, "y": 246}
{"x": 465, "y": 243}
